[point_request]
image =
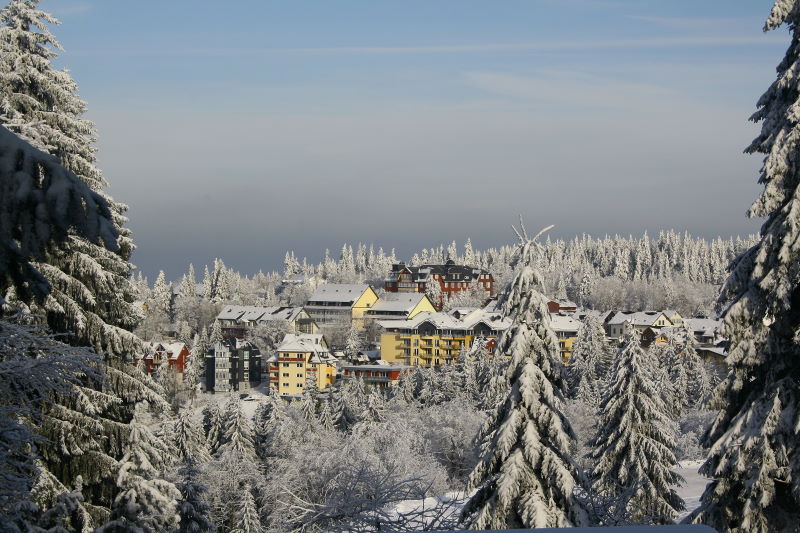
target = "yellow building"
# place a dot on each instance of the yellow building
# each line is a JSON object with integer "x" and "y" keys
{"x": 566, "y": 329}
{"x": 338, "y": 303}
{"x": 400, "y": 306}
{"x": 301, "y": 357}
{"x": 435, "y": 339}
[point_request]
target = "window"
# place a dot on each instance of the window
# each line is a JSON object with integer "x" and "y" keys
{"x": 299, "y": 375}
{"x": 299, "y": 365}
{"x": 286, "y": 374}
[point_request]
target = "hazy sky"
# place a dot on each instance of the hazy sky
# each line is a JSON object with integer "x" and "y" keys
{"x": 241, "y": 129}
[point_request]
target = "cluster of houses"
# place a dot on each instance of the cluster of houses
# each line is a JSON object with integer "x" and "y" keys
{"x": 404, "y": 327}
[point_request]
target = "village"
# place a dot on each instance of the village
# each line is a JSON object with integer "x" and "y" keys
{"x": 347, "y": 331}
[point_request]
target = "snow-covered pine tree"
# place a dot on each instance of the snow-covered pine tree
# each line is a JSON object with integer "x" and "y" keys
{"x": 326, "y": 416}
{"x": 308, "y": 403}
{"x": 588, "y": 365}
{"x": 91, "y": 297}
{"x": 353, "y": 342}
{"x": 162, "y": 296}
{"x": 247, "y": 518}
{"x": 633, "y": 447}
{"x": 144, "y": 500}
{"x": 189, "y": 441}
{"x": 754, "y": 457}
{"x": 215, "y": 335}
{"x": 42, "y": 202}
{"x": 433, "y": 290}
{"x": 215, "y": 423}
{"x": 525, "y": 476}
{"x": 699, "y": 383}
{"x": 194, "y": 512}
{"x": 238, "y": 433}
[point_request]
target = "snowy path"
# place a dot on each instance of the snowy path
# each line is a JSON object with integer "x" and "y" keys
{"x": 693, "y": 488}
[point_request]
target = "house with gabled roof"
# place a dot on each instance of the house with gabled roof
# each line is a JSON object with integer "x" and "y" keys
{"x": 436, "y": 339}
{"x": 235, "y": 320}
{"x": 174, "y": 354}
{"x": 452, "y": 279}
{"x": 641, "y": 320}
{"x": 337, "y": 303}
{"x": 566, "y": 329}
{"x": 400, "y": 306}
{"x": 300, "y": 358}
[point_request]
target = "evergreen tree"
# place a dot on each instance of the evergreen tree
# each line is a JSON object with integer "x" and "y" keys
{"x": 588, "y": 365}
{"x": 353, "y": 342}
{"x": 215, "y": 335}
{"x": 238, "y": 433}
{"x": 215, "y": 434}
{"x": 433, "y": 290}
{"x": 632, "y": 447}
{"x": 162, "y": 296}
{"x": 189, "y": 441}
{"x": 754, "y": 457}
{"x": 525, "y": 476}
{"x": 145, "y": 500}
{"x": 194, "y": 512}
{"x": 91, "y": 297}
{"x": 247, "y": 518}
{"x": 308, "y": 404}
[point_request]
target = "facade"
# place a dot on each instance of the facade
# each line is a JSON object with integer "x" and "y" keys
{"x": 300, "y": 358}
{"x": 340, "y": 303}
{"x": 232, "y": 365}
{"x": 436, "y": 339}
{"x": 402, "y": 306}
{"x": 452, "y": 278}
{"x": 175, "y": 354}
{"x": 381, "y": 376}
{"x": 566, "y": 329}
{"x": 235, "y": 320}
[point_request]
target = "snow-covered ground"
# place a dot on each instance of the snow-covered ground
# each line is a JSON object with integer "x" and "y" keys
{"x": 694, "y": 486}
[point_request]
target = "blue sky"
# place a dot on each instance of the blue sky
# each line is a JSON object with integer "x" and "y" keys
{"x": 243, "y": 129}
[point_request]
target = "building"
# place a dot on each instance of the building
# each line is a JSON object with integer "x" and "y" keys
{"x": 381, "y": 376}
{"x": 175, "y": 354}
{"x": 452, "y": 278}
{"x": 235, "y": 320}
{"x": 401, "y": 306}
{"x": 565, "y": 307}
{"x": 566, "y": 329}
{"x": 615, "y": 322}
{"x": 300, "y": 358}
{"x": 232, "y": 365}
{"x": 435, "y": 339}
{"x": 706, "y": 330}
{"x": 340, "y": 303}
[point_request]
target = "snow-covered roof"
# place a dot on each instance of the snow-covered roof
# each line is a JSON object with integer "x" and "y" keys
{"x": 254, "y": 313}
{"x": 564, "y": 323}
{"x": 707, "y": 326}
{"x": 447, "y": 321}
{"x": 303, "y": 342}
{"x": 404, "y": 302}
{"x": 338, "y": 292}
{"x": 639, "y": 318}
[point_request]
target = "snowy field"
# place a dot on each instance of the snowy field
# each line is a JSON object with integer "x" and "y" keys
{"x": 694, "y": 486}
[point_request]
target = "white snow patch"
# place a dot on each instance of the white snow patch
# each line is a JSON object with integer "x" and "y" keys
{"x": 693, "y": 488}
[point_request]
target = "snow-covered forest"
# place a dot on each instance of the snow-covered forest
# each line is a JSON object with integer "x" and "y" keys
{"x": 507, "y": 436}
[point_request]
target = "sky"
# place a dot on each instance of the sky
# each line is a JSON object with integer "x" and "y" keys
{"x": 244, "y": 129}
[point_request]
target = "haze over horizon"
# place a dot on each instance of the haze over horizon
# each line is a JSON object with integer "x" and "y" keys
{"x": 246, "y": 131}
